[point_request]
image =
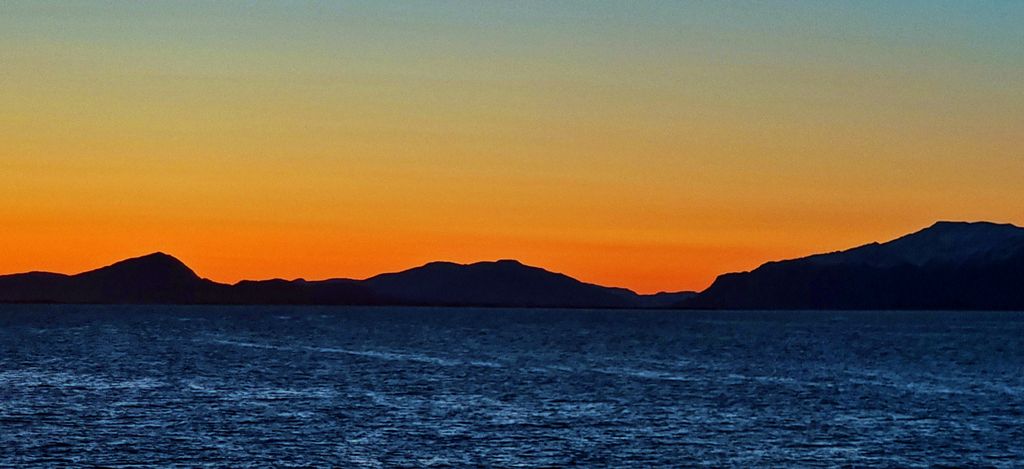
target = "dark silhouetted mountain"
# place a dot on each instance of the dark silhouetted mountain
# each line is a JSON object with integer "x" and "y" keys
{"x": 156, "y": 278}
{"x": 34, "y": 287}
{"x": 500, "y": 283}
{"x": 664, "y": 299}
{"x": 301, "y": 292}
{"x": 946, "y": 266}
{"x": 159, "y": 278}
{"x": 950, "y": 265}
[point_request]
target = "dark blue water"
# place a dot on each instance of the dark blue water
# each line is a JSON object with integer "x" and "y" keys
{"x": 240, "y": 386}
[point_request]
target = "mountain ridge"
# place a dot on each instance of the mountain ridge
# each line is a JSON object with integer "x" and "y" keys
{"x": 160, "y": 278}
{"x": 495, "y": 283}
{"x": 948, "y": 265}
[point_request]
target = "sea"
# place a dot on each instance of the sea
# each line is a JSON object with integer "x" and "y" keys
{"x": 202, "y": 386}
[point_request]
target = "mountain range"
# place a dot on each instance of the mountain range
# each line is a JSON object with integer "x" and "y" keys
{"x": 162, "y": 279}
{"x": 950, "y": 265}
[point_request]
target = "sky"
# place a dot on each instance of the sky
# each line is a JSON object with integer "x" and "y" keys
{"x": 651, "y": 144}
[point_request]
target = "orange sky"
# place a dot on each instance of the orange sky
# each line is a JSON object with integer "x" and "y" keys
{"x": 648, "y": 146}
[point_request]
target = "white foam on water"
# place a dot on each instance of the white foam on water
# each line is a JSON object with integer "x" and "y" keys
{"x": 391, "y": 356}
{"x": 643, "y": 374}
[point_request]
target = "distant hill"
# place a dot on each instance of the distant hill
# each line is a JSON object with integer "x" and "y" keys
{"x": 501, "y": 283}
{"x": 156, "y": 278}
{"x": 950, "y": 265}
{"x": 664, "y": 300}
{"x": 162, "y": 279}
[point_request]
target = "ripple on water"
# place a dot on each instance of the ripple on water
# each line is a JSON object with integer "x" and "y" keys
{"x": 383, "y": 387}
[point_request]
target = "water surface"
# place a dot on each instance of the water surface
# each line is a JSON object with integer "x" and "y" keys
{"x": 296, "y": 386}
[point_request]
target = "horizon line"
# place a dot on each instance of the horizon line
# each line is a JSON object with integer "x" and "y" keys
{"x": 163, "y": 253}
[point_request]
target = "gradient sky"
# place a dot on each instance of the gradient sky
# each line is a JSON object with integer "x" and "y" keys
{"x": 651, "y": 145}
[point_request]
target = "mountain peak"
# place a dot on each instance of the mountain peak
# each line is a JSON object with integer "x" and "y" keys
{"x": 156, "y": 259}
{"x": 158, "y": 256}
{"x": 508, "y": 262}
{"x": 948, "y": 225}
{"x": 157, "y": 264}
{"x": 957, "y": 241}
{"x": 944, "y": 242}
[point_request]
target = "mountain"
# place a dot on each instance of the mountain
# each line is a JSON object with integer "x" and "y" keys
{"x": 500, "y": 283}
{"x": 300, "y": 292}
{"x": 34, "y": 287}
{"x": 950, "y": 265}
{"x": 664, "y": 300}
{"x": 161, "y": 279}
{"x": 156, "y": 278}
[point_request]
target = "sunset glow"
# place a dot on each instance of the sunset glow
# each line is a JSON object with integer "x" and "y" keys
{"x": 647, "y": 145}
